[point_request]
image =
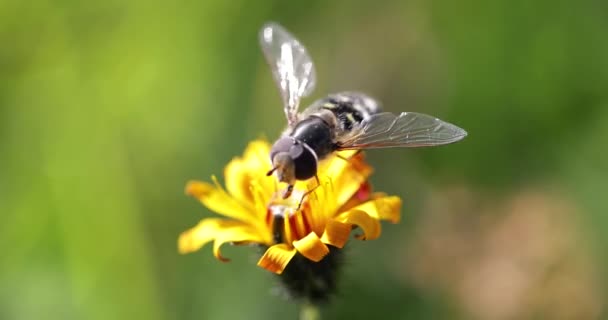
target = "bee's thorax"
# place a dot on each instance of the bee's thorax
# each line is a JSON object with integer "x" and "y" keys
{"x": 316, "y": 134}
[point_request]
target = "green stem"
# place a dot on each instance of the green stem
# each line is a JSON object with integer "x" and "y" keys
{"x": 310, "y": 311}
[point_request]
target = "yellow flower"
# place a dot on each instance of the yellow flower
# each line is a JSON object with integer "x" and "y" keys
{"x": 258, "y": 215}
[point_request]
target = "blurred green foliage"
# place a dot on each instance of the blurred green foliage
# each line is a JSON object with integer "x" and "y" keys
{"x": 108, "y": 108}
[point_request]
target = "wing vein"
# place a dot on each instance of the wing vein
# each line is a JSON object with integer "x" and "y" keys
{"x": 407, "y": 129}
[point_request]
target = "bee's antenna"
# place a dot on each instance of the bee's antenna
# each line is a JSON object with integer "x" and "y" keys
{"x": 287, "y": 192}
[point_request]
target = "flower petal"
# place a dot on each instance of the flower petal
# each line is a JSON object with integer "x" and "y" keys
{"x": 258, "y": 151}
{"x": 238, "y": 178}
{"x": 253, "y": 166}
{"x": 217, "y": 200}
{"x": 220, "y": 230}
{"x": 336, "y": 233}
{"x": 239, "y": 235}
{"x": 370, "y": 226}
{"x": 347, "y": 176}
{"x": 382, "y": 207}
{"x": 311, "y": 247}
{"x": 276, "y": 258}
{"x": 338, "y": 162}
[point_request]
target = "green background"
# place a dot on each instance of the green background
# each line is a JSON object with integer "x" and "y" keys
{"x": 108, "y": 108}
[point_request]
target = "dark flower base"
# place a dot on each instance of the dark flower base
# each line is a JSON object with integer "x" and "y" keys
{"x": 313, "y": 282}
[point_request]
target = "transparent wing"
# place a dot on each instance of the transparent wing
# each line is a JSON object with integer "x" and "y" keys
{"x": 408, "y": 129}
{"x": 292, "y": 67}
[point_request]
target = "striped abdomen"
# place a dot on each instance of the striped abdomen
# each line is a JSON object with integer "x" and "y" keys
{"x": 349, "y": 108}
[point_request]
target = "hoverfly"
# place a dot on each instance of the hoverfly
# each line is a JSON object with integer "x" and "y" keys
{"x": 341, "y": 121}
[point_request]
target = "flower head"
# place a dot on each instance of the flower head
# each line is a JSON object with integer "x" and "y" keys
{"x": 316, "y": 219}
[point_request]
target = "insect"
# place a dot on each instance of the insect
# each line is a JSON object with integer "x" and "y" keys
{"x": 341, "y": 121}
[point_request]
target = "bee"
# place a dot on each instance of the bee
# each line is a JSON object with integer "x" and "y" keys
{"x": 341, "y": 121}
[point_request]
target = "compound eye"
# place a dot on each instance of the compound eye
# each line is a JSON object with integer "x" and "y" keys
{"x": 296, "y": 151}
{"x": 282, "y": 145}
{"x": 304, "y": 160}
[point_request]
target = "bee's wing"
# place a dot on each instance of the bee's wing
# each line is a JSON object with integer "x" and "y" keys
{"x": 291, "y": 66}
{"x": 408, "y": 129}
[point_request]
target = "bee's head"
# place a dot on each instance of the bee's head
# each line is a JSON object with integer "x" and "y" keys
{"x": 292, "y": 160}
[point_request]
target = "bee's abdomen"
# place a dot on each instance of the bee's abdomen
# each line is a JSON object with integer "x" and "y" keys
{"x": 350, "y": 108}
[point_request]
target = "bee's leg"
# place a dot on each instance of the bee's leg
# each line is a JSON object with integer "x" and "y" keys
{"x": 309, "y": 191}
{"x": 288, "y": 191}
{"x": 348, "y": 159}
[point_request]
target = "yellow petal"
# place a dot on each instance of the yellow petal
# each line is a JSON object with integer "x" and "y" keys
{"x": 369, "y": 225}
{"x": 236, "y": 236}
{"x": 337, "y": 162}
{"x": 382, "y": 208}
{"x": 276, "y": 258}
{"x": 238, "y": 180}
{"x": 217, "y": 200}
{"x": 253, "y": 166}
{"x": 261, "y": 199}
{"x": 220, "y": 230}
{"x": 347, "y": 176}
{"x": 322, "y": 204}
{"x": 311, "y": 247}
{"x": 257, "y": 152}
{"x": 336, "y": 233}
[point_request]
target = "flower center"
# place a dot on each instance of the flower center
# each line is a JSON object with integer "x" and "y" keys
{"x": 287, "y": 222}
{"x": 286, "y": 207}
